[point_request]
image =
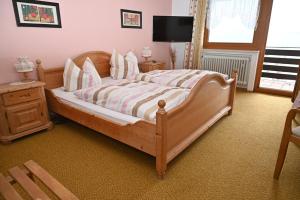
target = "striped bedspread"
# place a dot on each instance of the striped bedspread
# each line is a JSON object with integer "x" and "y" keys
{"x": 133, "y": 97}
{"x": 184, "y": 78}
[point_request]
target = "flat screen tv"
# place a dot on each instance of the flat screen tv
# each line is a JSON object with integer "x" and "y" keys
{"x": 172, "y": 28}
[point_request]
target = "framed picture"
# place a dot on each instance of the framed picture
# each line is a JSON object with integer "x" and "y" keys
{"x": 33, "y": 13}
{"x": 131, "y": 19}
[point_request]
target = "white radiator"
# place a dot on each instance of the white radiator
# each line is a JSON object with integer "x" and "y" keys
{"x": 225, "y": 62}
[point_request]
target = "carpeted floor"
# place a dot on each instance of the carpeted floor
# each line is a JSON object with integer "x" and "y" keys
{"x": 235, "y": 159}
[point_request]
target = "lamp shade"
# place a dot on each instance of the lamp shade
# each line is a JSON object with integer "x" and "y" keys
{"x": 146, "y": 52}
{"x": 24, "y": 64}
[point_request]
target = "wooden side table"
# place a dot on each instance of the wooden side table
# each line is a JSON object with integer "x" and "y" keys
{"x": 23, "y": 110}
{"x": 147, "y": 66}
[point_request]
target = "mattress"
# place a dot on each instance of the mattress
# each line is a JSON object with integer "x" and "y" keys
{"x": 117, "y": 117}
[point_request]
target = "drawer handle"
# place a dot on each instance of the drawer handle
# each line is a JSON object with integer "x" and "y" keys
{"x": 25, "y": 95}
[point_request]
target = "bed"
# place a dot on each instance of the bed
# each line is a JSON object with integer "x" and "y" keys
{"x": 173, "y": 131}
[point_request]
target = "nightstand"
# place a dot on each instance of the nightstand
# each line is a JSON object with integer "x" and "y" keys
{"x": 23, "y": 110}
{"x": 147, "y": 66}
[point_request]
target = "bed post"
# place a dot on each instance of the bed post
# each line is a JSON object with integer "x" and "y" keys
{"x": 232, "y": 90}
{"x": 161, "y": 139}
{"x": 40, "y": 70}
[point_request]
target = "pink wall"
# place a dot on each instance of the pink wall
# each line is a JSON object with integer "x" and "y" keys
{"x": 86, "y": 25}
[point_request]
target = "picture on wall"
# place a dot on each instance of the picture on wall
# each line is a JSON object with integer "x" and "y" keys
{"x": 33, "y": 13}
{"x": 131, "y": 19}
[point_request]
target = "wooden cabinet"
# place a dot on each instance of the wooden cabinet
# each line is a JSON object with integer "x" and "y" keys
{"x": 151, "y": 65}
{"x": 23, "y": 110}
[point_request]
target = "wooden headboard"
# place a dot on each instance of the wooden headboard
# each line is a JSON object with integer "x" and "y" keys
{"x": 53, "y": 77}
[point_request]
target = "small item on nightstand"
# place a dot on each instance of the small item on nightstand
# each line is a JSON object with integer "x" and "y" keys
{"x": 173, "y": 57}
{"x": 24, "y": 65}
{"x": 146, "y": 53}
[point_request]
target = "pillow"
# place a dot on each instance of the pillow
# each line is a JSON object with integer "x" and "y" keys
{"x": 75, "y": 78}
{"x": 89, "y": 67}
{"x": 123, "y": 68}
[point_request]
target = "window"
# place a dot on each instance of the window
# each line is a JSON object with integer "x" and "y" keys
{"x": 284, "y": 30}
{"x": 232, "y": 21}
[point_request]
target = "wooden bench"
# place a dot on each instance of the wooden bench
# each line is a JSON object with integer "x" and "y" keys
{"x": 25, "y": 178}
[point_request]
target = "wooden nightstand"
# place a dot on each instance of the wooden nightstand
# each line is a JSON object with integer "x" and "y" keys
{"x": 151, "y": 65}
{"x": 23, "y": 110}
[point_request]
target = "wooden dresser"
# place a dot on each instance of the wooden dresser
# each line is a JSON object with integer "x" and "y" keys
{"x": 23, "y": 110}
{"x": 151, "y": 65}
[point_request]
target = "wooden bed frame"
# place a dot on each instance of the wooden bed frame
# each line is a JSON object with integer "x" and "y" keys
{"x": 175, "y": 130}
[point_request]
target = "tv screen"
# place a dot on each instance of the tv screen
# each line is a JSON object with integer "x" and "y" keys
{"x": 172, "y": 28}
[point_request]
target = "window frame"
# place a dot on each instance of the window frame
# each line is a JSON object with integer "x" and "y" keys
{"x": 259, "y": 34}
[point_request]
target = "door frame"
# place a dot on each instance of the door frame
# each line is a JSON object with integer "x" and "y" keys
{"x": 259, "y": 44}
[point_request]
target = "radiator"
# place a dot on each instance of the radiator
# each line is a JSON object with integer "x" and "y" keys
{"x": 226, "y": 62}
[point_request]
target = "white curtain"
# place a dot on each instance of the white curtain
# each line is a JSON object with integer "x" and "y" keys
{"x": 247, "y": 11}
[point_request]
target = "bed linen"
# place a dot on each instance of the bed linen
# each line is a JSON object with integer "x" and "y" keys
{"x": 133, "y": 97}
{"x": 70, "y": 99}
{"x": 123, "y": 67}
{"x": 76, "y": 78}
{"x": 183, "y": 78}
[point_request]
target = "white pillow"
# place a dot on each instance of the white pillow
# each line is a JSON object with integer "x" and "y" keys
{"x": 123, "y": 68}
{"x": 89, "y": 67}
{"x": 75, "y": 78}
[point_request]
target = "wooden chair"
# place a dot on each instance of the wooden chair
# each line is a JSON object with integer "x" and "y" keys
{"x": 289, "y": 135}
{"x": 25, "y": 178}
{"x": 297, "y": 85}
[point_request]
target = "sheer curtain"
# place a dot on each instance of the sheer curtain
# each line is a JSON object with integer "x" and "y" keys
{"x": 224, "y": 13}
{"x": 193, "y": 50}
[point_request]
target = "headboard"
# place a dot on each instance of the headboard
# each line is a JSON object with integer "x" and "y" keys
{"x": 53, "y": 77}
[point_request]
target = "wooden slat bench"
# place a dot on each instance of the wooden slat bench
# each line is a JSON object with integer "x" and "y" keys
{"x": 24, "y": 177}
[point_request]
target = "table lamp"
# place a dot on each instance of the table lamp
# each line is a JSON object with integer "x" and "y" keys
{"x": 24, "y": 65}
{"x": 146, "y": 53}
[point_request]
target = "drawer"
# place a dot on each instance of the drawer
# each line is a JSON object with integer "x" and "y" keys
{"x": 17, "y": 97}
{"x": 145, "y": 67}
{"x": 26, "y": 116}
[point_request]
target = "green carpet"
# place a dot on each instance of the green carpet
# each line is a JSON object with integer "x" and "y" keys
{"x": 235, "y": 159}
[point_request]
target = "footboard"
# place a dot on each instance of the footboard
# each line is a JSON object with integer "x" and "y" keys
{"x": 210, "y": 99}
